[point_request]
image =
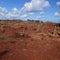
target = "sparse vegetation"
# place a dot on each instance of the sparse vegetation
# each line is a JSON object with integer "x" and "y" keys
{"x": 37, "y": 21}
{"x": 21, "y": 35}
{"x": 28, "y": 39}
{"x": 4, "y": 37}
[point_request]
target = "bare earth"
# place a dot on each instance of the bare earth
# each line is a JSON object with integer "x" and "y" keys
{"x": 29, "y": 41}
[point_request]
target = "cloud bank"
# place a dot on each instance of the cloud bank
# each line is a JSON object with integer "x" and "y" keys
{"x": 57, "y": 14}
{"x": 35, "y": 5}
{"x": 58, "y": 3}
{"x": 28, "y": 9}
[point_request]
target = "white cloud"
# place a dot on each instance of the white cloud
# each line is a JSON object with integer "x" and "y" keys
{"x": 9, "y": 15}
{"x": 58, "y": 3}
{"x": 42, "y": 13}
{"x": 13, "y": 14}
{"x": 29, "y": 9}
{"x": 16, "y": 14}
{"x": 26, "y": 15}
{"x": 47, "y": 4}
{"x": 57, "y": 13}
{"x": 3, "y": 11}
{"x": 35, "y": 5}
{"x": 38, "y": 17}
{"x": 23, "y": 16}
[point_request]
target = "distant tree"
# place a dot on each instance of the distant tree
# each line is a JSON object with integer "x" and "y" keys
{"x": 37, "y": 21}
{"x": 30, "y": 20}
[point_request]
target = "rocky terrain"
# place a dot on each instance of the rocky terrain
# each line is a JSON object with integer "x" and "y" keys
{"x": 29, "y": 41}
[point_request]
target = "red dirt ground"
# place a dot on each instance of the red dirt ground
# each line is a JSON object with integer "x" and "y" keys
{"x": 28, "y": 41}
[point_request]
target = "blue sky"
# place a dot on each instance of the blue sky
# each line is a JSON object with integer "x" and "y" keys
{"x": 45, "y": 10}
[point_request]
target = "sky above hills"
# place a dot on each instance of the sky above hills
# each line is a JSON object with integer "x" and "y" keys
{"x": 45, "y": 10}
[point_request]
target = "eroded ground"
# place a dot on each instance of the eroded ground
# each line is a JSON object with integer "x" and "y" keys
{"x": 29, "y": 41}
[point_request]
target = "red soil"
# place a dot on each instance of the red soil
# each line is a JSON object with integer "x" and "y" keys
{"x": 29, "y": 41}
